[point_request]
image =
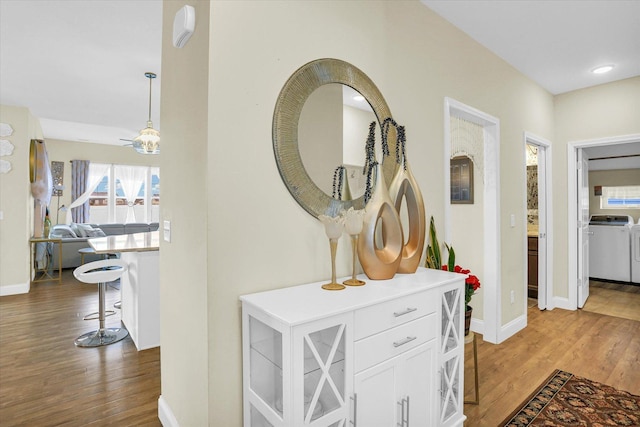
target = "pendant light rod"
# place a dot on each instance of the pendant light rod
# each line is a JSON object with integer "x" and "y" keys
{"x": 150, "y": 76}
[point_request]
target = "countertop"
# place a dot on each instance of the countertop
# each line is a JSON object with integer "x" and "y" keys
{"x": 137, "y": 242}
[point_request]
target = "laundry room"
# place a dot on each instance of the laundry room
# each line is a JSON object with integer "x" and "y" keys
{"x": 614, "y": 207}
{"x": 613, "y": 244}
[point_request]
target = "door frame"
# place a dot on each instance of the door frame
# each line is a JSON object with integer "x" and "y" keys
{"x": 572, "y": 218}
{"x": 545, "y": 219}
{"x": 491, "y": 325}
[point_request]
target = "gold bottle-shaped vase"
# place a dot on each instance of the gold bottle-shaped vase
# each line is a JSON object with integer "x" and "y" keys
{"x": 380, "y": 216}
{"x": 405, "y": 186}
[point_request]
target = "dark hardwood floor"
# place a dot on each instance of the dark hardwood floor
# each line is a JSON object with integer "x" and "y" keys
{"x": 600, "y": 347}
{"x": 45, "y": 380}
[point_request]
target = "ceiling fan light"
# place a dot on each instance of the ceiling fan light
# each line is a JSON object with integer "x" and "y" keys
{"x": 148, "y": 142}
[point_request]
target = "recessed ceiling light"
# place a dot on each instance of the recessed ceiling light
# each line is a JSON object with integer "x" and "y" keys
{"x": 358, "y": 98}
{"x": 602, "y": 69}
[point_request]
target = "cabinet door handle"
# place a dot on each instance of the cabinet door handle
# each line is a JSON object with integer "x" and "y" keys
{"x": 402, "y": 313}
{"x": 401, "y": 404}
{"x": 404, "y": 412}
{"x": 403, "y": 341}
{"x": 355, "y": 410}
{"x": 407, "y": 411}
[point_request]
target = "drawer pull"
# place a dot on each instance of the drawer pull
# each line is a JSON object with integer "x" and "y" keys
{"x": 404, "y": 341}
{"x": 407, "y": 311}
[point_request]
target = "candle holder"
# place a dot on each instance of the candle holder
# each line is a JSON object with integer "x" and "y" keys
{"x": 333, "y": 228}
{"x": 353, "y": 227}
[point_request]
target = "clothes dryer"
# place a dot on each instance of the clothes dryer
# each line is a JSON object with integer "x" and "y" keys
{"x": 635, "y": 253}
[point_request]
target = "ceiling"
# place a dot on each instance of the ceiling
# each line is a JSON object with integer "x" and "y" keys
{"x": 556, "y": 43}
{"x": 79, "y": 65}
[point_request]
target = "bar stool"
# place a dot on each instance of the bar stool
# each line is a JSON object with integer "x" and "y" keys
{"x": 101, "y": 272}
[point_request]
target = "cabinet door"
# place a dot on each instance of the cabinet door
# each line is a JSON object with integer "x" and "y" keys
{"x": 418, "y": 385}
{"x": 377, "y": 396}
{"x": 399, "y": 391}
{"x": 451, "y": 357}
{"x": 322, "y": 371}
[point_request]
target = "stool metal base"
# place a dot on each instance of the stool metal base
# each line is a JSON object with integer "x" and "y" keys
{"x": 96, "y": 315}
{"x": 101, "y": 337}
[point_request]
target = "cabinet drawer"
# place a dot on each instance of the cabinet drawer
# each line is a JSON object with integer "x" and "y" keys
{"x": 377, "y": 318}
{"x": 385, "y": 345}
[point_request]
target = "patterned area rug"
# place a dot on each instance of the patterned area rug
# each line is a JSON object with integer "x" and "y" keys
{"x": 567, "y": 400}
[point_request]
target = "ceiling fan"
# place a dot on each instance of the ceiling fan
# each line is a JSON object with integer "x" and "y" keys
{"x": 148, "y": 141}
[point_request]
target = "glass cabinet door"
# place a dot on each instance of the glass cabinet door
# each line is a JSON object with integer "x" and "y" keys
{"x": 323, "y": 388}
{"x": 451, "y": 340}
{"x": 265, "y": 364}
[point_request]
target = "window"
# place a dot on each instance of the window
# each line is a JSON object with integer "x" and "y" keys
{"x": 620, "y": 197}
{"x": 109, "y": 202}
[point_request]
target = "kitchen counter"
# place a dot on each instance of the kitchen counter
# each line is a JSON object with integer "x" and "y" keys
{"x": 140, "y": 285}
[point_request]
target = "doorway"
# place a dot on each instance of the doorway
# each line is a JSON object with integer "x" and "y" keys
{"x": 539, "y": 283}
{"x": 578, "y": 265}
{"x": 490, "y": 324}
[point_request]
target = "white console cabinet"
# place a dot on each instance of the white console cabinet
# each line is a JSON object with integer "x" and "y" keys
{"x": 386, "y": 354}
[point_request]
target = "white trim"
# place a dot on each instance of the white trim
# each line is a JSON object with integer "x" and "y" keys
{"x": 563, "y": 303}
{"x": 167, "y": 419}
{"x": 530, "y": 138}
{"x": 513, "y": 327}
{"x": 477, "y": 325}
{"x": 572, "y": 209}
{"x": 491, "y": 170}
{"x": 18, "y": 288}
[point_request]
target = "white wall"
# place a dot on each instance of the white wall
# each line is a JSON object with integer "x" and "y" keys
{"x": 255, "y": 236}
{"x": 612, "y": 178}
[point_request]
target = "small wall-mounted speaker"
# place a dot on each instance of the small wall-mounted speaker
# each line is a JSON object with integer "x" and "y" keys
{"x": 183, "y": 25}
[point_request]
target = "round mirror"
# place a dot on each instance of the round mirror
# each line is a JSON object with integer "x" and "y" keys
{"x": 318, "y": 126}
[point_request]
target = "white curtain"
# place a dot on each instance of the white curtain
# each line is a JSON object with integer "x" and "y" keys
{"x": 131, "y": 179}
{"x": 96, "y": 172}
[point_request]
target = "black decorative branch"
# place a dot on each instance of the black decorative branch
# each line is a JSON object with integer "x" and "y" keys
{"x": 338, "y": 180}
{"x": 369, "y": 149}
{"x": 401, "y": 155}
{"x": 369, "y": 187}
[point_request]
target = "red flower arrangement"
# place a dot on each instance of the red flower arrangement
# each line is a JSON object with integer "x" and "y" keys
{"x": 472, "y": 283}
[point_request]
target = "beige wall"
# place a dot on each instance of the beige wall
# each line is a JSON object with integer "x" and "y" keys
{"x": 65, "y": 151}
{"x": 16, "y": 202}
{"x": 611, "y": 178}
{"x": 188, "y": 150}
{"x": 598, "y": 112}
{"x": 255, "y": 236}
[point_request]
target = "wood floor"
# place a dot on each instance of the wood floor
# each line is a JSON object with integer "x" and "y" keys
{"x": 603, "y": 348}
{"x": 45, "y": 380}
{"x": 614, "y": 299}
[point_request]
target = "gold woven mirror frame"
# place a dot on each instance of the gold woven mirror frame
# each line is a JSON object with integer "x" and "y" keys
{"x": 292, "y": 97}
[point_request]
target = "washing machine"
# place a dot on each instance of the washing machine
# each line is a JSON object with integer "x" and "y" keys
{"x": 610, "y": 247}
{"x": 635, "y": 253}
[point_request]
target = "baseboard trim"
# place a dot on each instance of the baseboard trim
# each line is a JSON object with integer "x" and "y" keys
{"x": 512, "y": 328}
{"x": 20, "y": 288}
{"x": 559, "y": 302}
{"x": 477, "y": 326}
{"x": 167, "y": 419}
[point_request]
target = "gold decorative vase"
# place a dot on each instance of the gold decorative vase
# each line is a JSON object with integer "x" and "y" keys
{"x": 380, "y": 263}
{"x": 405, "y": 186}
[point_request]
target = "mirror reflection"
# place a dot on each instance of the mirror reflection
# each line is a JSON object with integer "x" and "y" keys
{"x": 332, "y": 132}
